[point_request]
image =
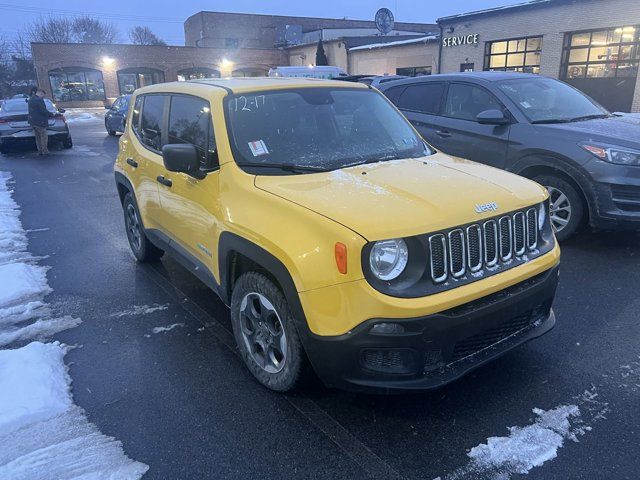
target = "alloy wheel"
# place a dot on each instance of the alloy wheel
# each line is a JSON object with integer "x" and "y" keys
{"x": 263, "y": 333}
{"x": 560, "y": 209}
{"x": 133, "y": 227}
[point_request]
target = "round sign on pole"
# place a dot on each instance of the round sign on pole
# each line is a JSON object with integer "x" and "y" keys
{"x": 384, "y": 20}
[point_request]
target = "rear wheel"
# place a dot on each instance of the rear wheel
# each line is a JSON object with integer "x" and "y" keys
{"x": 265, "y": 333}
{"x": 3, "y": 148}
{"x": 566, "y": 206}
{"x": 67, "y": 143}
{"x": 112, "y": 133}
{"x": 141, "y": 247}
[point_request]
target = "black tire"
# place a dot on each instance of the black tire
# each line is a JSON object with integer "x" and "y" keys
{"x": 246, "y": 302}
{"x": 143, "y": 250}
{"x": 574, "y": 216}
{"x": 112, "y": 133}
{"x": 67, "y": 143}
{"x": 4, "y": 149}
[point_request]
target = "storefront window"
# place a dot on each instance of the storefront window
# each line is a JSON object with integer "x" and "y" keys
{"x": 132, "y": 78}
{"x": 602, "y": 53}
{"x": 514, "y": 55}
{"x": 197, "y": 73}
{"x": 75, "y": 83}
{"x": 413, "y": 71}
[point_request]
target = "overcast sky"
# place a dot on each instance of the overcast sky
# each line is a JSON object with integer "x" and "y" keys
{"x": 165, "y": 17}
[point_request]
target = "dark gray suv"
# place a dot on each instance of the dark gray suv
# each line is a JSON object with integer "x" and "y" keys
{"x": 543, "y": 129}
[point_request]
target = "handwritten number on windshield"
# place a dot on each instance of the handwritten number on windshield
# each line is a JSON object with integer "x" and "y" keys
{"x": 248, "y": 104}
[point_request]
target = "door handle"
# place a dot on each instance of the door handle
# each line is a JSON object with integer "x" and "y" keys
{"x": 132, "y": 162}
{"x": 443, "y": 133}
{"x": 164, "y": 181}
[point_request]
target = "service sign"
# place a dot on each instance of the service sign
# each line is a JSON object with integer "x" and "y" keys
{"x": 460, "y": 40}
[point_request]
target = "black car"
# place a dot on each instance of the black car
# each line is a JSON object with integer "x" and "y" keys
{"x": 538, "y": 127}
{"x": 116, "y": 115}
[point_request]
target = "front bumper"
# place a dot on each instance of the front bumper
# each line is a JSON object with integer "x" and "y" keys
{"x": 617, "y": 195}
{"x": 436, "y": 349}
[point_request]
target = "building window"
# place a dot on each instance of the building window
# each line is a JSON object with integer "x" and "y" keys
{"x": 249, "y": 72}
{"x": 131, "y": 78}
{"x": 602, "y": 53}
{"x": 75, "y": 83}
{"x": 197, "y": 73}
{"x": 413, "y": 71}
{"x": 231, "y": 43}
{"x": 514, "y": 55}
{"x": 467, "y": 67}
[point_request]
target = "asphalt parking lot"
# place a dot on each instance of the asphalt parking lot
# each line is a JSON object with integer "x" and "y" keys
{"x": 156, "y": 364}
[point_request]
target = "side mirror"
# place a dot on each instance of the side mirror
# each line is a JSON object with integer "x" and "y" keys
{"x": 492, "y": 117}
{"x": 183, "y": 158}
{"x": 61, "y": 110}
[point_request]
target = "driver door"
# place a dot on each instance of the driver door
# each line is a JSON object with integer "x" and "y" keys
{"x": 190, "y": 206}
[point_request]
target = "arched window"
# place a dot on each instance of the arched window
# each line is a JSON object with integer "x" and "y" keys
{"x": 76, "y": 83}
{"x": 249, "y": 72}
{"x": 131, "y": 78}
{"x": 196, "y": 73}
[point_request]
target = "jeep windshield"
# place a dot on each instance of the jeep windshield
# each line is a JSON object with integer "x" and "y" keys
{"x": 544, "y": 100}
{"x": 308, "y": 130}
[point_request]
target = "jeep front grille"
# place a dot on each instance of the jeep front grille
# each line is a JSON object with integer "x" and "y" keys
{"x": 485, "y": 245}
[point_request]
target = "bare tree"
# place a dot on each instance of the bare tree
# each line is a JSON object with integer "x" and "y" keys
{"x": 20, "y": 45}
{"x": 144, "y": 36}
{"x": 90, "y": 30}
{"x": 50, "y": 30}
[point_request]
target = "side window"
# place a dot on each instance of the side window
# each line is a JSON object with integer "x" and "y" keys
{"x": 393, "y": 94}
{"x": 422, "y": 97}
{"x": 151, "y": 121}
{"x": 135, "y": 116}
{"x": 467, "y": 101}
{"x": 190, "y": 122}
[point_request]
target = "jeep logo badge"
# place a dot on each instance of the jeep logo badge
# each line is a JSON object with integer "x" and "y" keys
{"x": 487, "y": 207}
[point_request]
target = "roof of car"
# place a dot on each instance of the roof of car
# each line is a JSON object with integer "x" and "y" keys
{"x": 249, "y": 84}
{"x": 477, "y": 76}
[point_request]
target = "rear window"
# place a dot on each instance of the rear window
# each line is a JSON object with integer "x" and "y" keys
{"x": 423, "y": 97}
{"x": 151, "y": 121}
{"x": 19, "y": 106}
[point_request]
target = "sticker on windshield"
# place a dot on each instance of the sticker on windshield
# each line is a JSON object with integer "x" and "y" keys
{"x": 258, "y": 148}
{"x": 525, "y": 104}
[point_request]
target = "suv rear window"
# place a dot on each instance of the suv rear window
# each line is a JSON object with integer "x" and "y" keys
{"x": 422, "y": 97}
{"x": 151, "y": 121}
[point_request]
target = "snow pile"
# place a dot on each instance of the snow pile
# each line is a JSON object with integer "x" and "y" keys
{"x": 428, "y": 38}
{"x": 43, "y": 434}
{"x": 167, "y": 328}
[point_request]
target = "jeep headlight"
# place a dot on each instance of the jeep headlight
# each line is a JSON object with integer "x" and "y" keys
{"x": 388, "y": 258}
{"x": 613, "y": 153}
{"x": 542, "y": 214}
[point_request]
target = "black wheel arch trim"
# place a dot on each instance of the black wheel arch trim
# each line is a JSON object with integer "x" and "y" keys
{"x": 566, "y": 167}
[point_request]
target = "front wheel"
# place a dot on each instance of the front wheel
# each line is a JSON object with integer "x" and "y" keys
{"x": 265, "y": 333}
{"x": 566, "y": 206}
{"x": 141, "y": 247}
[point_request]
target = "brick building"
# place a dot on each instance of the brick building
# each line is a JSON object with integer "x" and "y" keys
{"x": 591, "y": 44}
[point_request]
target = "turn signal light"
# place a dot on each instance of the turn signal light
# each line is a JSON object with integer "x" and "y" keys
{"x": 341, "y": 257}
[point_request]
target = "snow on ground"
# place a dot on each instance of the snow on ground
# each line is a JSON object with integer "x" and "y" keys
{"x": 528, "y": 447}
{"x": 43, "y": 435}
{"x": 168, "y": 328}
{"x": 84, "y": 115}
{"x": 140, "y": 310}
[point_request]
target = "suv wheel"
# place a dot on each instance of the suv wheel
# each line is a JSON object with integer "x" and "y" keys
{"x": 112, "y": 133}
{"x": 566, "y": 205}
{"x": 142, "y": 248}
{"x": 67, "y": 142}
{"x": 265, "y": 333}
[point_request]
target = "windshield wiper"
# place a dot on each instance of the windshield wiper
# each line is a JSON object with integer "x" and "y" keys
{"x": 590, "y": 117}
{"x": 371, "y": 160}
{"x": 287, "y": 167}
{"x": 552, "y": 120}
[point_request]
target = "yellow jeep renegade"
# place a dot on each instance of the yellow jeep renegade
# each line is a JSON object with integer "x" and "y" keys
{"x": 340, "y": 240}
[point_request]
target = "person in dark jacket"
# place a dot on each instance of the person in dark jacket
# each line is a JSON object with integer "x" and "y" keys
{"x": 39, "y": 121}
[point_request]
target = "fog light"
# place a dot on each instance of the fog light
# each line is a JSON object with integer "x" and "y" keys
{"x": 389, "y": 360}
{"x": 387, "y": 329}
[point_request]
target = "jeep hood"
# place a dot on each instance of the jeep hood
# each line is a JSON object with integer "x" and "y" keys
{"x": 406, "y": 197}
